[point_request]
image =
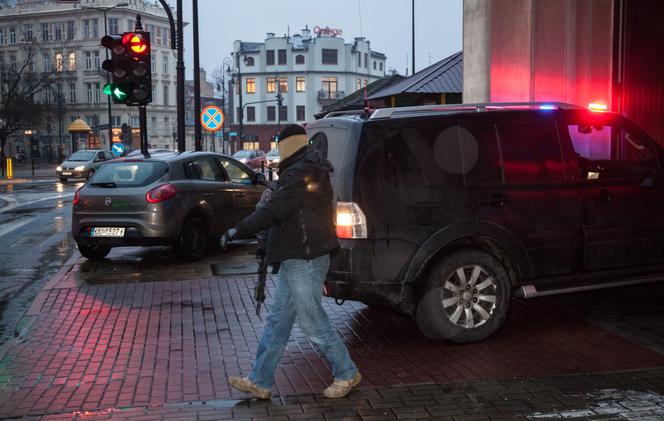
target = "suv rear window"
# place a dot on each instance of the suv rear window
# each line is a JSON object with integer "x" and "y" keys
{"x": 128, "y": 174}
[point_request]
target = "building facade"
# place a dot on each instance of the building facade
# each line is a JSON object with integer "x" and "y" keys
{"x": 609, "y": 51}
{"x": 308, "y": 71}
{"x": 66, "y": 39}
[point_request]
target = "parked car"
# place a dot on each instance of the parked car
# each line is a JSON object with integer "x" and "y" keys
{"x": 180, "y": 200}
{"x": 273, "y": 158}
{"x": 446, "y": 212}
{"x": 251, "y": 158}
{"x": 82, "y": 164}
{"x": 137, "y": 152}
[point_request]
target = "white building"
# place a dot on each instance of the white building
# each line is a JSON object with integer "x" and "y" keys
{"x": 68, "y": 38}
{"x": 309, "y": 72}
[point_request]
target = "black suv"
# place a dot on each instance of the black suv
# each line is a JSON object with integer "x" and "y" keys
{"x": 445, "y": 212}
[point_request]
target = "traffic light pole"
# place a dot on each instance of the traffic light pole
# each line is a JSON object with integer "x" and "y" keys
{"x": 108, "y": 97}
{"x": 180, "y": 78}
{"x": 143, "y": 120}
{"x": 197, "y": 83}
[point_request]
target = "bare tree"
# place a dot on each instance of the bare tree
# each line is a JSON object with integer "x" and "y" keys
{"x": 20, "y": 87}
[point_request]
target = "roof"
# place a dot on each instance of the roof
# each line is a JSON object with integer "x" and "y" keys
{"x": 355, "y": 101}
{"x": 445, "y": 76}
{"x": 79, "y": 126}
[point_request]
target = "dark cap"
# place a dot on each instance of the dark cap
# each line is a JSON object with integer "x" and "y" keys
{"x": 291, "y": 130}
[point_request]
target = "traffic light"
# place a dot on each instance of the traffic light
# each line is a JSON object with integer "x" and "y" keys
{"x": 131, "y": 67}
{"x": 280, "y": 100}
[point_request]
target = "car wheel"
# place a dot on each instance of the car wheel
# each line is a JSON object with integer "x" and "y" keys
{"x": 467, "y": 298}
{"x": 63, "y": 179}
{"x": 192, "y": 242}
{"x": 94, "y": 251}
{"x": 90, "y": 174}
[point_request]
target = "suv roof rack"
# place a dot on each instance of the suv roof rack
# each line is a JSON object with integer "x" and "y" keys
{"x": 479, "y": 107}
{"x": 344, "y": 113}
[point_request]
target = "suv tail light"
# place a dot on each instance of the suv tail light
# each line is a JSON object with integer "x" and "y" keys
{"x": 351, "y": 222}
{"x": 161, "y": 193}
{"x": 77, "y": 196}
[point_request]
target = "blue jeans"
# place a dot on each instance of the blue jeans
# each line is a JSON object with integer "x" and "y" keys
{"x": 299, "y": 295}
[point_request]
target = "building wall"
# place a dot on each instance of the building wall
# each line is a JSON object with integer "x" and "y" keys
{"x": 162, "y": 111}
{"x": 348, "y": 73}
{"x": 539, "y": 50}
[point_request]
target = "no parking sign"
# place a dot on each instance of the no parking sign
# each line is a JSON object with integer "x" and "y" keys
{"x": 212, "y": 118}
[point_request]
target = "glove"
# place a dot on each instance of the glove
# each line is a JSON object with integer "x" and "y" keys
{"x": 229, "y": 235}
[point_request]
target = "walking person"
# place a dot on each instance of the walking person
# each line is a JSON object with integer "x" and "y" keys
{"x": 301, "y": 236}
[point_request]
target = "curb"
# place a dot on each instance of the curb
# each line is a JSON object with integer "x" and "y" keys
{"x": 31, "y": 315}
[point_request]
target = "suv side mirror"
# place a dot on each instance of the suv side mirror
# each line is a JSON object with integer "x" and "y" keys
{"x": 259, "y": 179}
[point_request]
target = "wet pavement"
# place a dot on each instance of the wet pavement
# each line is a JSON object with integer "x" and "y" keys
{"x": 144, "y": 335}
{"x": 35, "y": 218}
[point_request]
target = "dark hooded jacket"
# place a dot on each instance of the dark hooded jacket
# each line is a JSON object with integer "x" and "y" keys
{"x": 300, "y": 214}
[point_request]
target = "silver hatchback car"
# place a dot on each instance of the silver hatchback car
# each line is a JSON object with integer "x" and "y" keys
{"x": 82, "y": 164}
{"x": 182, "y": 200}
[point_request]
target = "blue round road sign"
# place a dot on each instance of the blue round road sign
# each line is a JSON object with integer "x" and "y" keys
{"x": 118, "y": 149}
{"x": 212, "y": 118}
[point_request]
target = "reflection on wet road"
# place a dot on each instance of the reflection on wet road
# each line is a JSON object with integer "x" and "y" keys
{"x": 35, "y": 219}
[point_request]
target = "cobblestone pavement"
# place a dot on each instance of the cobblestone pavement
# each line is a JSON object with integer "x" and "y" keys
{"x": 164, "y": 349}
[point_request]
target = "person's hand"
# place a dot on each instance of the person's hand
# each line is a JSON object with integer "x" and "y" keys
{"x": 229, "y": 235}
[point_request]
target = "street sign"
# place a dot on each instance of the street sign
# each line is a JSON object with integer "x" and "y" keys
{"x": 212, "y": 118}
{"x": 232, "y": 134}
{"x": 118, "y": 149}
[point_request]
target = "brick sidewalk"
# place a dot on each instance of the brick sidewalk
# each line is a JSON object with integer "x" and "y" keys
{"x": 143, "y": 340}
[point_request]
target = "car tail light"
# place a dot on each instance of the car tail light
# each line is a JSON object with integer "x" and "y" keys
{"x": 161, "y": 193}
{"x": 351, "y": 222}
{"x": 597, "y": 106}
{"x": 77, "y": 197}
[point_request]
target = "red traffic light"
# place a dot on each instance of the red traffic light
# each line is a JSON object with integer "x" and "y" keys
{"x": 135, "y": 42}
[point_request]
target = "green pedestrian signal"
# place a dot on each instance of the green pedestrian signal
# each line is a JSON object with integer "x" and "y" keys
{"x": 116, "y": 92}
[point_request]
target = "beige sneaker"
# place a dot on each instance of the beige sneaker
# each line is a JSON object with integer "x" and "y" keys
{"x": 245, "y": 385}
{"x": 340, "y": 388}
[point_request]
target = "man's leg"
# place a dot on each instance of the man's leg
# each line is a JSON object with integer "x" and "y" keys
{"x": 277, "y": 331}
{"x": 307, "y": 279}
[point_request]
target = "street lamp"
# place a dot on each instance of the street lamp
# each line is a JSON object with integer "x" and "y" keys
{"x": 225, "y": 68}
{"x": 108, "y": 80}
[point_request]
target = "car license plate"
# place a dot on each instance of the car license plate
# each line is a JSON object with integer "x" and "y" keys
{"x": 107, "y": 232}
{"x": 66, "y": 173}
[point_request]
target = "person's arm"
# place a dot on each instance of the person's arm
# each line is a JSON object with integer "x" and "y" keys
{"x": 282, "y": 203}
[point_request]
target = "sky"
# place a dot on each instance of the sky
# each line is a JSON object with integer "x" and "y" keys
{"x": 385, "y": 23}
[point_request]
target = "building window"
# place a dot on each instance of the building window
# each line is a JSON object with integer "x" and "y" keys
{"x": 249, "y": 61}
{"x": 250, "y": 85}
{"x": 359, "y": 59}
{"x": 166, "y": 96}
{"x": 329, "y": 56}
{"x": 97, "y": 92}
{"x": 283, "y": 113}
{"x": 27, "y": 32}
{"x": 158, "y": 38}
{"x": 330, "y": 86}
{"x": 165, "y": 63}
{"x": 380, "y": 66}
{"x": 299, "y": 59}
{"x": 59, "y": 62}
{"x": 153, "y": 63}
{"x": 130, "y": 25}
{"x": 72, "y": 92}
{"x": 167, "y": 127}
{"x": 271, "y": 84}
{"x": 116, "y": 121}
{"x": 70, "y": 30}
{"x": 282, "y": 57}
{"x": 44, "y": 32}
{"x": 95, "y": 28}
{"x": 366, "y": 60}
{"x": 12, "y": 62}
{"x": 269, "y": 57}
{"x": 113, "y": 26}
{"x": 12, "y": 35}
{"x": 153, "y": 125}
{"x": 283, "y": 84}
{"x": 88, "y": 89}
{"x": 57, "y": 29}
{"x": 47, "y": 62}
{"x": 134, "y": 121}
{"x": 2, "y": 36}
{"x": 91, "y": 120}
{"x": 299, "y": 113}
{"x": 374, "y": 64}
{"x": 97, "y": 62}
{"x": 271, "y": 113}
{"x": 251, "y": 113}
{"x": 88, "y": 60}
{"x": 299, "y": 84}
{"x": 252, "y": 146}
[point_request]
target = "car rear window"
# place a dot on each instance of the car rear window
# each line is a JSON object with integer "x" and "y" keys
{"x": 128, "y": 174}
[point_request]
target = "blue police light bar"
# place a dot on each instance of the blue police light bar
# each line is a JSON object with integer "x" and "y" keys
{"x": 548, "y": 107}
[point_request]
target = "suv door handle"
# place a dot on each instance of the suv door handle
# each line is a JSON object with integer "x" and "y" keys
{"x": 497, "y": 200}
{"x": 602, "y": 195}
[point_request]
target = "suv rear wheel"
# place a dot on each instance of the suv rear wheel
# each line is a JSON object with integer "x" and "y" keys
{"x": 93, "y": 251}
{"x": 192, "y": 242}
{"x": 467, "y": 298}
